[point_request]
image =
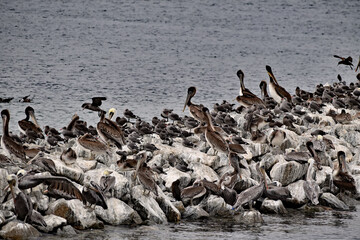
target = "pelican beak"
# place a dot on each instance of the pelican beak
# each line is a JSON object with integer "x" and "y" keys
{"x": 32, "y": 115}
{"x": 186, "y": 101}
{"x": 111, "y": 114}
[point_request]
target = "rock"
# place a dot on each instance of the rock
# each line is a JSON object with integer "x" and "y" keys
{"x": 74, "y": 172}
{"x": 216, "y": 206}
{"x": 272, "y": 206}
{"x": 6, "y": 216}
{"x": 268, "y": 161}
{"x": 250, "y": 218}
{"x": 244, "y": 183}
{"x": 19, "y": 230}
{"x": 195, "y": 212}
{"x": 171, "y": 212}
{"x": 146, "y": 205}
{"x": 287, "y": 172}
{"x": 52, "y": 222}
{"x": 173, "y": 174}
{"x": 118, "y": 213}
{"x": 298, "y": 194}
{"x": 86, "y": 165}
{"x": 3, "y": 183}
{"x": 189, "y": 155}
{"x": 201, "y": 171}
{"x": 75, "y": 213}
{"x": 323, "y": 177}
{"x": 66, "y": 231}
{"x": 257, "y": 149}
{"x": 179, "y": 206}
{"x": 328, "y": 199}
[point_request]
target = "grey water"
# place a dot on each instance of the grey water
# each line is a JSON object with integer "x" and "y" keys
{"x": 143, "y": 55}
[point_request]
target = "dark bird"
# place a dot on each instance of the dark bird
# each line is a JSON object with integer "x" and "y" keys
{"x": 26, "y": 99}
{"x": 28, "y": 128}
{"x": 91, "y": 143}
{"x": 129, "y": 114}
{"x": 346, "y": 61}
{"x": 269, "y": 101}
{"x": 11, "y": 147}
{"x": 276, "y": 91}
{"x": 175, "y": 189}
{"x": 275, "y": 192}
{"x": 94, "y": 195}
{"x": 145, "y": 175}
{"x": 6, "y": 100}
{"x": 341, "y": 176}
{"x": 310, "y": 147}
{"x": 95, "y": 105}
{"x": 246, "y": 98}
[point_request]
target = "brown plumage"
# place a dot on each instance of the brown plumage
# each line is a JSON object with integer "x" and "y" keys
{"x": 110, "y": 131}
{"x": 246, "y": 98}
{"x": 7, "y": 143}
{"x": 341, "y": 177}
{"x": 276, "y": 91}
{"x": 28, "y": 128}
{"x": 195, "y": 110}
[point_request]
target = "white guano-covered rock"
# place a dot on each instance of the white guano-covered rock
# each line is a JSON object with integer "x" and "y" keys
{"x": 173, "y": 174}
{"x": 273, "y": 206}
{"x": 147, "y": 206}
{"x": 287, "y": 172}
{"x": 118, "y": 213}
{"x": 52, "y": 222}
{"x": 19, "y": 230}
{"x": 201, "y": 171}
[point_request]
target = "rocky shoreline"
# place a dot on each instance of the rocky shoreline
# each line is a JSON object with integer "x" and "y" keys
{"x": 275, "y": 145}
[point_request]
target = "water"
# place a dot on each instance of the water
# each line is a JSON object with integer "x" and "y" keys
{"x": 143, "y": 55}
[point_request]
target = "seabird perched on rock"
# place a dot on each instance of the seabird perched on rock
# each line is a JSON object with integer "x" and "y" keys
{"x": 246, "y": 98}
{"x": 195, "y": 110}
{"x": 341, "y": 176}
{"x": 28, "y": 128}
{"x": 276, "y": 91}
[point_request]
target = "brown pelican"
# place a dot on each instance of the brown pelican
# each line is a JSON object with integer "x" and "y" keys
{"x": 68, "y": 156}
{"x": 195, "y": 110}
{"x": 7, "y": 143}
{"x": 269, "y": 101}
{"x": 57, "y": 187}
{"x": 214, "y": 138}
{"x": 28, "y": 128}
{"x": 89, "y": 142}
{"x": 110, "y": 131}
{"x": 93, "y": 194}
{"x": 341, "y": 176}
{"x": 197, "y": 190}
{"x": 22, "y": 202}
{"x": 144, "y": 174}
{"x": 247, "y": 98}
{"x": 310, "y": 147}
{"x": 277, "y": 137}
{"x": 107, "y": 182}
{"x": 126, "y": 164}
{"x": 95, "y": 105}
{"x": 346, "y": 61}
{"x": 274, "y": 192}
{"x": 45, "y": 164}
{"x": 175, "y": 190}
{"x": 235, "y": 162}
{"x": 111, "y": 112}
{"x": 311, "y": 188}
{"x": 276, "y": 91}
{"x": 249, "y": 195}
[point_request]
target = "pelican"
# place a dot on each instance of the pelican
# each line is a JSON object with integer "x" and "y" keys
{"x": 144, "y": 174}
{"x": 247, "y": 98}
{"x": 57, "y": 187}
{"x": 175, "y": 190}
{"x": 95, "y": 104}
{"x": 195, "y": 110}
{"x": 197, "y": 190}
{"x": 269, "y": 101}
{"x": 89, "y": 142}
{"x": 276, "y": 91}
{"x": 341, "y": 177}
{"x": 110, "y": 131}
{"x": 93, "y": 194}
{"x": 111, "y": 112}
{"x": 68, "y": 156}
{"x": 311, "y": 188}
{"x": 107, "y": 182}
{"x": 214, "y": 138}
{"x": 275, "y": 192}
{"x": 249, "y": 195}
{"x": 28, "y": 128}
{"x": 7, "y": 143}
{"x": 310, "y": 147}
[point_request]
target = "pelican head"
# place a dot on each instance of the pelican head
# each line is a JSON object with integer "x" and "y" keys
{"x": 107, "y": 172}
{"x": 271, "y": 75}
{"x": 21, "y": 173}
{"x": 190, "y": 94}
{"x": 5, "y": 114}
{"x": 112, "y": 112}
